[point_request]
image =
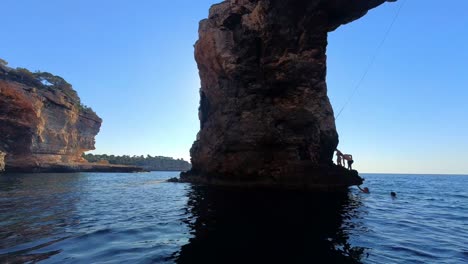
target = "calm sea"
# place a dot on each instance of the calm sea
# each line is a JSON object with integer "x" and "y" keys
{"x": 138, "y": 218}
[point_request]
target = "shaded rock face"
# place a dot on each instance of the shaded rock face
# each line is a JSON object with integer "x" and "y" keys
{"x": 42, "y": 127}
{"x": 264, "y": 111}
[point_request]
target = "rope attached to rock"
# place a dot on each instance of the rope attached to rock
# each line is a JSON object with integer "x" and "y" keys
{"x": 372, "y": 61}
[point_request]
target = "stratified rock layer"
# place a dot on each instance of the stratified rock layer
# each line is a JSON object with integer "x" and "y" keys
{"x": 264, "y": 112}
{"x": 41, "y": 126}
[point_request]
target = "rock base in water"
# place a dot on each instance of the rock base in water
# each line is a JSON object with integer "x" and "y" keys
{"x": 300, "y": 176}
{"x": 174, "y": 180}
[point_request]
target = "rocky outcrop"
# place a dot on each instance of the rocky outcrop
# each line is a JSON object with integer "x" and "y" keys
{"x": 43, "y": 125}
{"x": 264, "y": 112}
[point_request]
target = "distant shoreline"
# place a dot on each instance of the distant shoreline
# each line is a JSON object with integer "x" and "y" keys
{"x": 148, "y": 162}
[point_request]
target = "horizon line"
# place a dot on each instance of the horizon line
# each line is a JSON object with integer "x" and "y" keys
{"x": 408, "y": 173}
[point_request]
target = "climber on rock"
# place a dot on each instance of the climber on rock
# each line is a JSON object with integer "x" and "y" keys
{"x": 349, "y": 159}
{"x": 339, "y": 158}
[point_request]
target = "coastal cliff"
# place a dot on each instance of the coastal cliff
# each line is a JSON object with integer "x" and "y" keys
{"x": 43, "y": 125}
{"x": 265, "y": 116}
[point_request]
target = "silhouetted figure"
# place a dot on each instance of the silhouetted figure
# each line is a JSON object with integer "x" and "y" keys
{"x": 365, "y": 190}
{"x": 339, "y": 158}
{"x": 393, "y": 194}
{"x": 349, "y": 159}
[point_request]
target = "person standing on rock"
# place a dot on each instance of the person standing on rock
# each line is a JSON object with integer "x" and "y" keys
{"x": 349, "y": 159}
{"x": 339, "y": 158}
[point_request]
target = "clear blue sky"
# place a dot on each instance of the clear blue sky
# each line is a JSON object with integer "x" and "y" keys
{"x": 133, "y": 64}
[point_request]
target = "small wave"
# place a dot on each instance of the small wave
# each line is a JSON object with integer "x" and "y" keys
{"x": 413, "y": 251}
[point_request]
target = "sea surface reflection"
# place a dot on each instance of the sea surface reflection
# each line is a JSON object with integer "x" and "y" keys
{"x": 265, "y": 226}
{"x": 140, "y": 218}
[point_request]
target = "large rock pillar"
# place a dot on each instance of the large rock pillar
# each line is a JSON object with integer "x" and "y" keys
{"x": 265, "y": 116}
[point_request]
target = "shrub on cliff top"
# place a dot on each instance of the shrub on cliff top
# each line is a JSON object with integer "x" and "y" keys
{"x": 42, "y": 80}
{"x": 57, "y": 82}
{"x": 86, "y": 109}
{"x": 25, "y": 76}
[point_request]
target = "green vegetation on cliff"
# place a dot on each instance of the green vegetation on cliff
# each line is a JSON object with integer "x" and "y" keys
{"x": 157, "y": 163}
{"x": 41, "y": 80}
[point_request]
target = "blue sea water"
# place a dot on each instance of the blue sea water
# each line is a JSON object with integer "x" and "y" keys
{"x": 139, "y": 218}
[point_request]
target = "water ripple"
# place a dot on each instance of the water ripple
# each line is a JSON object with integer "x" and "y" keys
{"x": 138, "y": 218}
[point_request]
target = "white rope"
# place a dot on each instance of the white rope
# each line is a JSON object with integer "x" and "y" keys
{"x": 372, "y": 61}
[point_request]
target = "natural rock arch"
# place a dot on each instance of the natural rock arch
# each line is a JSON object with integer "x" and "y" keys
{"x": 265, "y": 115}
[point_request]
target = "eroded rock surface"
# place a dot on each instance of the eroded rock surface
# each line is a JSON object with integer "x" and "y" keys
{"x": 43, "y": 126}
{"x": 264, "y": 111}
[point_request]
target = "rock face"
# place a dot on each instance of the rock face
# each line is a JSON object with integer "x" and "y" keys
{"x": 264, "y": 112}
{"x": 43, "y": 125}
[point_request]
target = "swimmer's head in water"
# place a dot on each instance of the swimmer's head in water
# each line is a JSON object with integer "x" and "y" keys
{"x": 393, "y": 194}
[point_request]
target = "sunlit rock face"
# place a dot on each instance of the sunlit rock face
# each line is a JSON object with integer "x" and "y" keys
{"x": 42, "y": 127}
{"x": 264, "y": 111}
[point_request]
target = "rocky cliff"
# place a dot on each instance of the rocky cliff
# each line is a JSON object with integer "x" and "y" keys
{"x": 42, "y": 122}
{"x": 43, "y": 125}
{"x": 264, "y": 112}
